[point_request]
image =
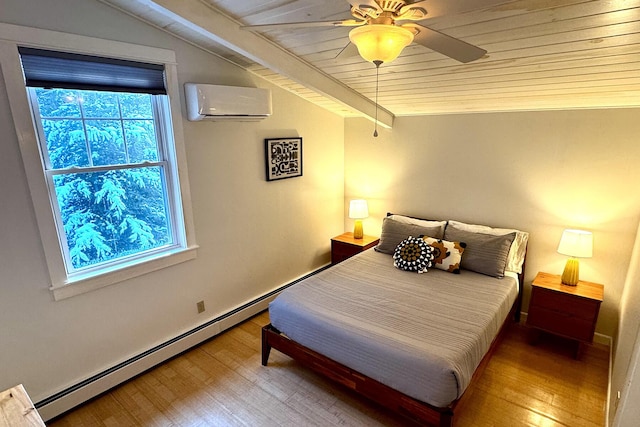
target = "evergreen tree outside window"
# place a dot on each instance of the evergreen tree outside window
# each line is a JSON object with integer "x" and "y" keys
{"x": 104, "y": 136}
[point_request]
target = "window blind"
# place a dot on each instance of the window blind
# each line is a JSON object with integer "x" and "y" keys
{"x": 51, "y": 69}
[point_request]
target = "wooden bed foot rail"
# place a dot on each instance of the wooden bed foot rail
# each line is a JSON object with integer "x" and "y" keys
{"x": 417, "y": 411}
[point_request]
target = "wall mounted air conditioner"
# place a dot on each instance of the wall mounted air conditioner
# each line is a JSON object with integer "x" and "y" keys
{"x": 215, "y": 102}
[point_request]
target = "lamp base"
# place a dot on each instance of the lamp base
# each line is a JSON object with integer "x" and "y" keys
{"x": 357, "y": 230}
{"x": 571, "y": 273}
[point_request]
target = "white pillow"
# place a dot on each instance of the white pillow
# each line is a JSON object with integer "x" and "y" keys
{"x": 518, "y": 247}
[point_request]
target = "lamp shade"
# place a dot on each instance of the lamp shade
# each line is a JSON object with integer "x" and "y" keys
{"x": 576, "y": 243}
{"x": 358, "y": 209}
{"x": 380, "y": 42}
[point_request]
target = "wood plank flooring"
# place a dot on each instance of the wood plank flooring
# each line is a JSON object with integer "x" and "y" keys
{"x": 222, "y": 383}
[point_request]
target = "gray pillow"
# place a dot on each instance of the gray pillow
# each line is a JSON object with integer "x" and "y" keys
{"x": 394, "y": 232}
{"x": 485, "y": 253}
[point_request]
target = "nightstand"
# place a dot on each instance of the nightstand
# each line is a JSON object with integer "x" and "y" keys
{"x": 567, "y": 311}
{"x": 345, "y": 246}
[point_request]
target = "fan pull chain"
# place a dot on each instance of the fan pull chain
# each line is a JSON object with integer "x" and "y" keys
{"x": 375, "y": 130}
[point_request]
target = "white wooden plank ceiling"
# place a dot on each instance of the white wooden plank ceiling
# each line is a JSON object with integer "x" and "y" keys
{"x": 542, "y": 54}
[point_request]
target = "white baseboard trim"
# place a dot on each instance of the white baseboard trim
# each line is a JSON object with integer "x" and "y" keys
{"x": 75, "y": 395}
{"x": 602, "y": 339}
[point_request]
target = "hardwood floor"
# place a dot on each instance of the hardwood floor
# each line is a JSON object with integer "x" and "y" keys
{"x": 222, "y": 383}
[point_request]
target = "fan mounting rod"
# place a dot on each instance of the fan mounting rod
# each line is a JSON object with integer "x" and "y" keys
{"x": 385, "y": 18}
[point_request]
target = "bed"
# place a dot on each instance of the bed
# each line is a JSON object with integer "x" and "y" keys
{"x": 410, "y": 342}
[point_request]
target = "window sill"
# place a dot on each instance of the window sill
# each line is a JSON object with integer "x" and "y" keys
{"x": 81, "y": 285}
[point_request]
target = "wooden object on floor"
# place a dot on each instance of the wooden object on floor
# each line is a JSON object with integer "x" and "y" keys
{"x": 221, "y": 382}
{"x": 17, "y": 410}
{"x": 345, "y": 246}
{"x": 567, "y": 311}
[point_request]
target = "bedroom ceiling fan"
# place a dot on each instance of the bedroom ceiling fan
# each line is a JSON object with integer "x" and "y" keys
{"x": 384, "y": 27}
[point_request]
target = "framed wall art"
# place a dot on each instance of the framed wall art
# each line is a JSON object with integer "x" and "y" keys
{"x": 283, "y": 158}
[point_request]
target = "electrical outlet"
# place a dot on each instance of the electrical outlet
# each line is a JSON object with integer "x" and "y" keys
{"x": 200, "y": 306}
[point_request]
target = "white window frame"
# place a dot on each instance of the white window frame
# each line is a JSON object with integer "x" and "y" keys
{"x": 62, "y": 284}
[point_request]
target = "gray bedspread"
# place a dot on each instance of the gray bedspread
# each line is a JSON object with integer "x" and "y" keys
{"x": 421, "y": 334}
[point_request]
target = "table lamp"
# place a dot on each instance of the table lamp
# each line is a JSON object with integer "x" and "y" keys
{"x": 576, "y": 244}
{"x": 358, "y": 210}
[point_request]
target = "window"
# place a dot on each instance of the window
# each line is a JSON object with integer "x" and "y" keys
{"x": 103, "y": 159}
{"x": 110, "y": 166}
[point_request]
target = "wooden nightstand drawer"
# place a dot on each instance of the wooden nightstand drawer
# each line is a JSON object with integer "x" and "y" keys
{"x": 342, "y": 252}
{"x": 568, "y": 305}
{"x": 561, "y": 323}
{"x": 345, "y": 246}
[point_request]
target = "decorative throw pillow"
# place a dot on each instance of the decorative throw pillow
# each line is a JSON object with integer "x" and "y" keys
{"x": 394, "y": 232}
{"x": 446, "y": 255}
{"x": 413, "y": 254}
{"x": 485, "y": 253}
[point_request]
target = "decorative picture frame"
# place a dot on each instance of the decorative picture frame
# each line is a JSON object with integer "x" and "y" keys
{"x": 283, "y": 158}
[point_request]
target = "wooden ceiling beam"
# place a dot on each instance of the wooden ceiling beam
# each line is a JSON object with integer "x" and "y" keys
{"x": 204, "y": 20}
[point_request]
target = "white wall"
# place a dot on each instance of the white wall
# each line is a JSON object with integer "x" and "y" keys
{"x": 253, "y": 235}
{"x": 537, "y": 171}
{"x": 626, "y": 368}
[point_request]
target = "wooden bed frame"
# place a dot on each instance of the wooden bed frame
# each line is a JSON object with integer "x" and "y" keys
{"x": 415, "y": 410}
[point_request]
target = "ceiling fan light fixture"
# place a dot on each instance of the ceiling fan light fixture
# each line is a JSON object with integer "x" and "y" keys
{"x": 380, "y": 42}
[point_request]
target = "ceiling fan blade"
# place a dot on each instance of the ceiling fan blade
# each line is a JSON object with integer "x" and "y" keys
{"x": 437, "y": 8}
{"x": 348, "y": 51}
{"x": 446, "y": 45}
{"x": 342, "y": 23}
